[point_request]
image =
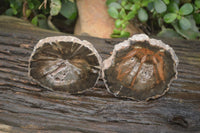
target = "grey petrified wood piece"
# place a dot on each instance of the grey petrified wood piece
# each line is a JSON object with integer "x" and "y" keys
{"x": 65, "y": 63}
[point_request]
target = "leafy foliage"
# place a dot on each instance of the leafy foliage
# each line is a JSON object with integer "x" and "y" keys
{"x": 40, "y": 12}
{"x": 172, "y": 16}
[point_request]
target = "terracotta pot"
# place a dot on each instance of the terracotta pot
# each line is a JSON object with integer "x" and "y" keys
{"x": 95, "y": 21}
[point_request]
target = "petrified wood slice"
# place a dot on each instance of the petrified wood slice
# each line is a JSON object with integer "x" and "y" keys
{"x": 140, "y": 68}
{"x": 65, "y": 63}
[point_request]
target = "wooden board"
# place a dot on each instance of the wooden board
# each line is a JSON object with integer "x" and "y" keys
{"x": 27, "y": 107}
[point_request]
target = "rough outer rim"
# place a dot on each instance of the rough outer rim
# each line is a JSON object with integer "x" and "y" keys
{"x": 65, "y": 39}
{"x": 127, "y": 43}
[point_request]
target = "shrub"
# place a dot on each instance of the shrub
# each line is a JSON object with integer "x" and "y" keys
{"x": 40, "y": 12}
{"x": 174, "y": 17}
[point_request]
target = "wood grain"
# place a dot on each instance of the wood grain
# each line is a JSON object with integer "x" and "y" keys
{"x": 27, "y": 107}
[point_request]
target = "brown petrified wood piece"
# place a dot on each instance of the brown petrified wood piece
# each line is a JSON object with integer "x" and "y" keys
{"x": 140, "y": 68}
{"x": 65, "y": 63}
{"x": 27, "y": 107}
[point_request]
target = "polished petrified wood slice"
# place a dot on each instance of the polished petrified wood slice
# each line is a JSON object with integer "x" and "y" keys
{"x": 65, "y": 63}
{"x": 140, "y": 68}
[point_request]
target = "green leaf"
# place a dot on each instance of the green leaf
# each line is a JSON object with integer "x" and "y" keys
{"x": 123, "y": 3}
{"x": 188, "y": 34}
{"x": 169, "y": 33}
{"x": 173, "y": 7}
{"x": 115, "y": 31}
{"x": 9, "y": 12}
{"x": 135, "y": 7}
{"x": 193, "y": 23}
{"x": 113, "y": 12}
{"x": 108, "y": 2}
{"x": 115, "y": 5}
{"x": 150, "y": 7}
{"x": 124, "y": 34}
{"x": 142, "y": 15}
{"x": 15, "y": 11}
{"x": 197, "y": 18}
{"x": 34, "y": 21}
{"x": 36, "y": 3}
{"x": 31, "y": 5}
{"x": 118, "y": 23}
{"x": 186, "y": 9}
{"x": 160, "y": 6}
{"x": 197, "y": 3}
{"x": 12, "y": 5}
{"x": 170, "y": 17}
{"x": 184, "y": 23}
{"x": 166, "y": 1}
{"x": 128, "y": 6}
{"x": 177, "y": 1}
{"x": 42, "y": 21}
{"x": 55, "y": 7}
{"x": 122, "y": 13}
{"x": 69, "y": 10}
{"x": 124, "y": 25}
{"x": 28, "y": 13}
{"x": 130, "y": 15}
{"x": 145, "y": 2}
{"x": 17, "y": 4}
{"x": 179, "y": 16}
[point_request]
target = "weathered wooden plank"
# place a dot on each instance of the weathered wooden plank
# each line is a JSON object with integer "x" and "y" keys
{"x": 27, "y": 107}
